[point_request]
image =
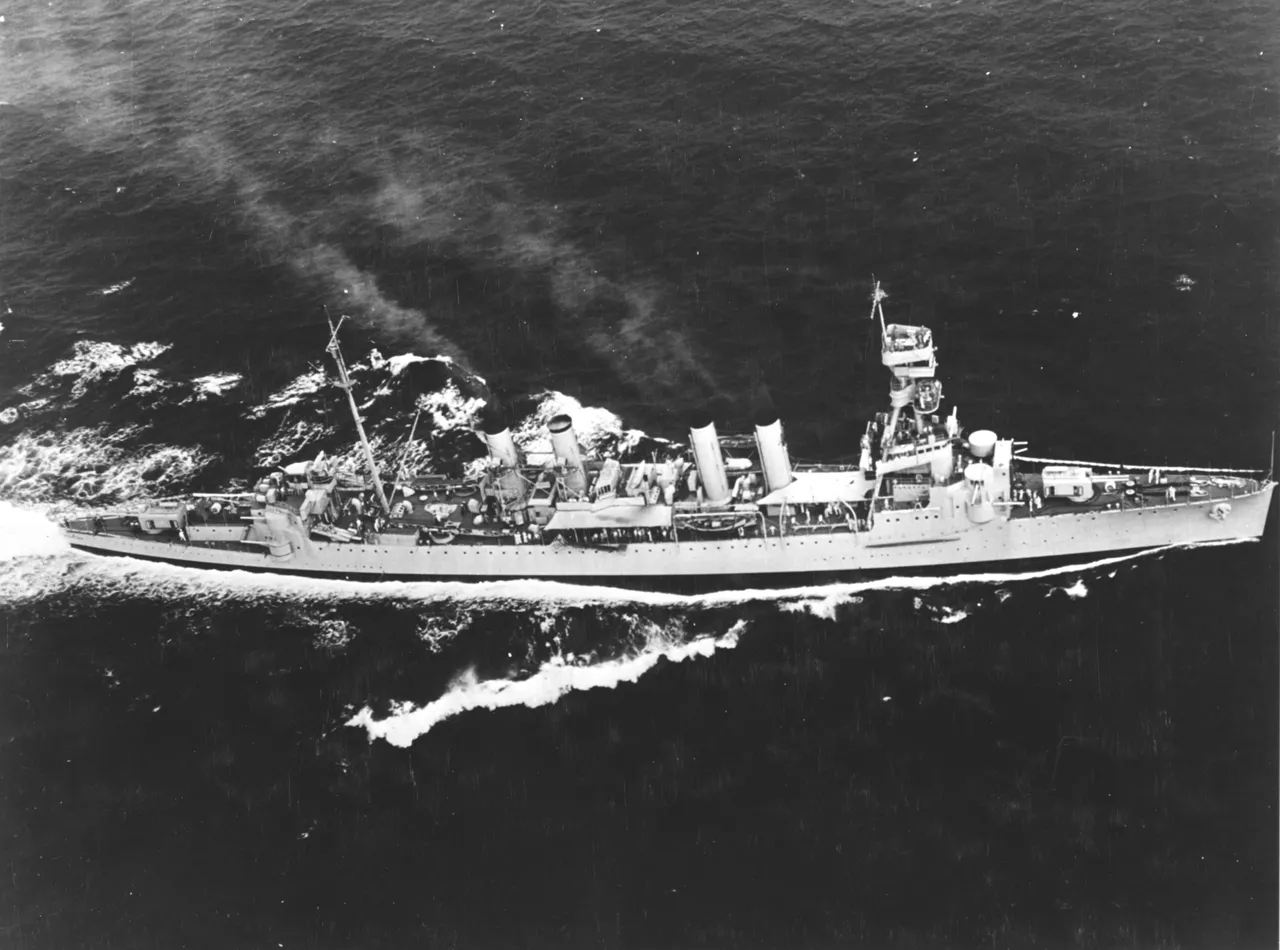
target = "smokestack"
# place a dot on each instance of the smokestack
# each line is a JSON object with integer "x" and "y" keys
{"x": 501, "y": 446}
{"x": 564, "y": 443}
{"x": 710, "y": 462}
{"x": 774, "y": 459}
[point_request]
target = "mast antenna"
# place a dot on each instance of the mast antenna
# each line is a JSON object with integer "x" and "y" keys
{"x": 876, "y": 297}
{"x": 345, "y": 381}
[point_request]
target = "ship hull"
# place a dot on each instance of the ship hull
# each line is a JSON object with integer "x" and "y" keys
{"x": 914, "y": 543}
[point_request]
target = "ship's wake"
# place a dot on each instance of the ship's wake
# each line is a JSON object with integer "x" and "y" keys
{"x": 553, "y": 679}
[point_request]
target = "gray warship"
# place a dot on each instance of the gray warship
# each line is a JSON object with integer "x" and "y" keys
{"x": 925, "y": 497}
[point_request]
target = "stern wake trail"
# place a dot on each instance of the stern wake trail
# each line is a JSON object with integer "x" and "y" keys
{"x": 553, "y": 679}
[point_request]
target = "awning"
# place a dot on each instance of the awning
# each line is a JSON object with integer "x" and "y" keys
{"x": 618, "y": 516}
{"x": 820, "y": 488}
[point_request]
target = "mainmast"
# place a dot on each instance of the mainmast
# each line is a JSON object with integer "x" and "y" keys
{"x": 345, "y": 381}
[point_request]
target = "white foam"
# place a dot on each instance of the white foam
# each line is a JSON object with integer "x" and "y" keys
{"x": 351, "y": 458}
{"x": 305, "y": 385}
{"x": 332, "y": 634}
{"x": 92, "y": 465}
{"x": 33, "y": 406}
{"x": 116, "y": 288}
{"x": 288, "y": 442}
{"x": 28, "y": 533}
{"x": 147, "y": 382}
{"x": 435, "y": 633}
{"x": 553, "y": 680}
{"x": 449, "y": 409}
{"x": 591, "y": 424}
{"x": 377, "y": 394}
{"x": 397, "y": 363}
{"x": 90, "y": 361}
{"x": 821, "y": 607}
{"x": 215, "y": 384}
{"x": 950, "y": 615}
{"x": 1076, "y": 590}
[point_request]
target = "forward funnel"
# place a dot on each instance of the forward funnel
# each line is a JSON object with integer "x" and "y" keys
{"x": 710, "y": 462}
{"x": 501, "y": 445}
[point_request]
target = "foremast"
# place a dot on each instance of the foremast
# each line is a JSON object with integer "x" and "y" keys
{"x": 344, "y": 380}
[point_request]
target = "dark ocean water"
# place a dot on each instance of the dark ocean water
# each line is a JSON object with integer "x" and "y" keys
{"x": 632, "y": 211}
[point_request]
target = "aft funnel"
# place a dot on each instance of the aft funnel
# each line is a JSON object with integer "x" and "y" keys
{"x": 564, "y": 443}
{"x": 774, "y": 459}
{"x": 710, "y": 462}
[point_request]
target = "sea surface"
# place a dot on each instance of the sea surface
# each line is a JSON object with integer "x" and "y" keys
{"x": 631, "y": 212}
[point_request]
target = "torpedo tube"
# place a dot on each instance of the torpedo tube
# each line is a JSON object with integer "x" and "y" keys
{"x": 564, "y": 443}
{"x": 774, "y": 460}
{"x": 710, "y": 461}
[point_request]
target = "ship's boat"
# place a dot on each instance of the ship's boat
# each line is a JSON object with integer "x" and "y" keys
{"x": 924, "y": 495}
